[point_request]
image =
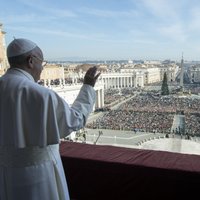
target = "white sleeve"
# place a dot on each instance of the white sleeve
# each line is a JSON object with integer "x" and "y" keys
{"x": 85, "y": 100}
{"x": 74, "y": 118}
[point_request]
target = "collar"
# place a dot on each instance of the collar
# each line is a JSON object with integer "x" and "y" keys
{"x": 29, "y": 76}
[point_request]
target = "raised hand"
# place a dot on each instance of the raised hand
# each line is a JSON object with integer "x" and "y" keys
{"x": 91, "y": 76}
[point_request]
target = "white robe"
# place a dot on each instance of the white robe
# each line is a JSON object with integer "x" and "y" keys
{"x": 32, "y": 121}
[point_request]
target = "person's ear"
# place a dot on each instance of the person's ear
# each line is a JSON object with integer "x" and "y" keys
{"x": 30, "y": 61}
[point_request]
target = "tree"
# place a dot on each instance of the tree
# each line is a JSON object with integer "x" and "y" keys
{"x": 164, "y": 88}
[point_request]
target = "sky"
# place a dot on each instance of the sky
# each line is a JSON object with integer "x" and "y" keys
{"x": 106, "y": 29}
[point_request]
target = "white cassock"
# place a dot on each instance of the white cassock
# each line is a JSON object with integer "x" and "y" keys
{"x": 32, "y": 121}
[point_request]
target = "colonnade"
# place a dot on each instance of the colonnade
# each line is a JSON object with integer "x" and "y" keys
{"x": 105, "y": 81}
{"x": 118, "y": 82}
{"x": 70, "y": 92}
{"x": 121, "y": 80}
{"x": 109, "y": 80}
{"x": 47, "y": 82}
{"x": 99, "y": 98}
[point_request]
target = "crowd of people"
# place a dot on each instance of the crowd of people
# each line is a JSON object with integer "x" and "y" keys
{"x": 116, "y": 95}
{"x": 134, "y": 121}
{"x": 150, "y": 112}
{"x": 171, "y": 104}
{"x": 192, "y": 124}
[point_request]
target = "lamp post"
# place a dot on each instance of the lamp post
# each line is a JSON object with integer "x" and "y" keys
{"x": 100, "y": 133}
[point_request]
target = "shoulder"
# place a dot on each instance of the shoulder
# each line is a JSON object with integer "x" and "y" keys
{"x": 39, "y": 93}
{"x": 43, "y": 91}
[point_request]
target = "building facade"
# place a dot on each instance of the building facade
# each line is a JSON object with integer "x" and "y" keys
{"x": 194, "y": 73}
{"x": 3, "y": 58}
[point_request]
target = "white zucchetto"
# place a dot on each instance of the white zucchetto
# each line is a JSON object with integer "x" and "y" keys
{"x": 20, "y": 46}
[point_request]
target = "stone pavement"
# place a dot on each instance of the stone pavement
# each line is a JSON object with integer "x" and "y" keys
{"x": 142, "y": 140}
